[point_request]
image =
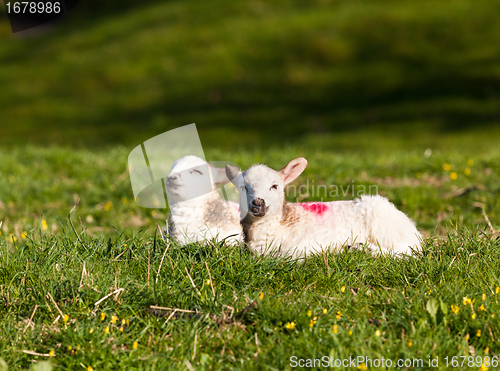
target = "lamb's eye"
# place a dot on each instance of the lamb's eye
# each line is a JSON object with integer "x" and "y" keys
{"x": 274, "y": 187}
{"x": 196, "y": 171}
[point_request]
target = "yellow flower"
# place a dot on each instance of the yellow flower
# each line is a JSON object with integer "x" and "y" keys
{"x": 309, "y": 313}
{"x": 24, "y": 235}
{"x": 483, "y": 296}
{"x": 335, "y": 329}
{"x": 90, "y": 368}
{"x": 207, "y": 282}
{"x": 290, "y": 325}
{"x": 52, "y": 353}
{"x": 69, "y": 348}
{"x": 12, "y": 237}
{"x": 106, "y": 330}
{"x": 482, "y": 308}
{"x": 483, "y": 367}
{"x": 497, "y": 290}
{"x": 410, "y": 343}
{"x": 455, "y": 308}
{"x": 123, "y": 322}
{"x": 467, "y": 171}
{"x": 342, "y": 289}
{"x": 447, "y": 167}
{"x": 349, "y": 332}
{"x": 135, "y": 345}
{"x": 453, "y": 175}
{"x": 44, "y": 225}
{"x": 486, "y": 350}
{"x": 377, "y": 333}
{"x": 108, "y": 205}
{"x": 325, "y": 310}
{"x": 91, "y": 330}
{"x": 312, "y": 322}
{"x": 466, "y": 338}
{"x": 478, "y": 333}
{"x": 363, "y": 367}
{"x": 470, "y": 162}
{"x": 78, "y": 347}
{"x": 121, "y": 329}
{"x": 492, "y": 315}
{"x": 103, "y": 315}
{"x": 338, "y": 314}
{"x": 114, "y": 318}
{"x": 473, "y": 316}
{"x": 466, "y": 300}
{"x": 261, "y": 296}
{"x": 128, "y": 322}
{"x": 65, "y": 318}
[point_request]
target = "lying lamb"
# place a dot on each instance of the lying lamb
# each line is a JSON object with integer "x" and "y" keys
{"x": 197, "y": 212}
{"x": 303, "y": 228}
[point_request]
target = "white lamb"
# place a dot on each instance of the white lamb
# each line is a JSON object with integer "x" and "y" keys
{"x": 197, "y": 212}
{"x": 295, "y": 229}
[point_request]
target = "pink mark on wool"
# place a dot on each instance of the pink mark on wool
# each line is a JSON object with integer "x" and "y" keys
{"x": 317, "y": 208}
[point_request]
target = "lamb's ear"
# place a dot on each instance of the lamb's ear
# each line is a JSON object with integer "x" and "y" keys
{"x": 232, "y": 172}
{"x": 219, "y": 176}
{"x": 294, "y": 168}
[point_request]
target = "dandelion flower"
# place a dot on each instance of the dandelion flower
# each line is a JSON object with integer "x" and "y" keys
{"x": 261, "y": 295}
{"x": 90, "y": 368}
{"x": 342, "y": 289}
{"x": 44, "y": 225}
{"x": 455, "y": 308}
{"x": 325, "y": 310}
{"x": 483, "y": 367}
{"x": 467, "y": 171}
{"x": 106, "y": 330}
{"x": 103, "y": 315}
{"x": 65, "y": 318}
{"x": 447, "y": 167}
{"x": 363, "y": 367}
{"x": 290, "y": 325}
{"x": 135, "y": 345}
{"x": 114, "y": 318}
{"x": 473, "y": 316}
{"x": 466, "y": 338}
{"x": 466, "y": 300}
{"x": 338, "y": 314}
{"x": 410, "y": 343}
{"x": 497, "y": 290}
{"x": 121, "y": 329}
{"x": 478, "y": 333}
{"x": 69, "y": 348}
{"x": 123, "y": 322}
{"x": 335, "y": 329}
{"x": 309, "y": 313}
{"x": 482, "y": 307}
{"x": 207, "y": 282}
{"x": 52, "y": 353}
{"x": 349, "y": 332}
{"x": 453, "y": 175}
{"x": 24, "y": 235}
{"x": 377, "y": 333}
{"x": 483, "y": 296}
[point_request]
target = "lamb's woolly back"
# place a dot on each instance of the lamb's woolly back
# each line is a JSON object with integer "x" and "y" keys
{"x": 197, "y": 210}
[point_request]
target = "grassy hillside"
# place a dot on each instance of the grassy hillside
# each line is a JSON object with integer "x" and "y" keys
{"x": 252, "y": 72}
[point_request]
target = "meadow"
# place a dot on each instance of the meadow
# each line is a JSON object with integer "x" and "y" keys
{"x": 397, "y": 95}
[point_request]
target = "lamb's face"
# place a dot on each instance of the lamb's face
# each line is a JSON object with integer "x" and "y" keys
{"x": 262, "y": 189}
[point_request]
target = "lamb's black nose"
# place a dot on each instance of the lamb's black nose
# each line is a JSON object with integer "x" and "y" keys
{"x": 258, "y": 202}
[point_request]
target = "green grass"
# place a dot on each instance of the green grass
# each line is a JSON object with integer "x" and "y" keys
{"x": 405, "y": 300}
{"x": 252, "y": 71}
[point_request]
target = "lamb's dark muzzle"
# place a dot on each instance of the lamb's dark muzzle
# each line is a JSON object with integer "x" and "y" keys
{"x": 258, "y": 207}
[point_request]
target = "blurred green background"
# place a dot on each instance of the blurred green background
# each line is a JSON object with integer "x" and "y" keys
{"x": 341, "y": 74}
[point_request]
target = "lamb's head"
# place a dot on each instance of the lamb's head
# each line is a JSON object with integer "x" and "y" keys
{"x": 262, "y": 189}
{"x": 191, "y": 177}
